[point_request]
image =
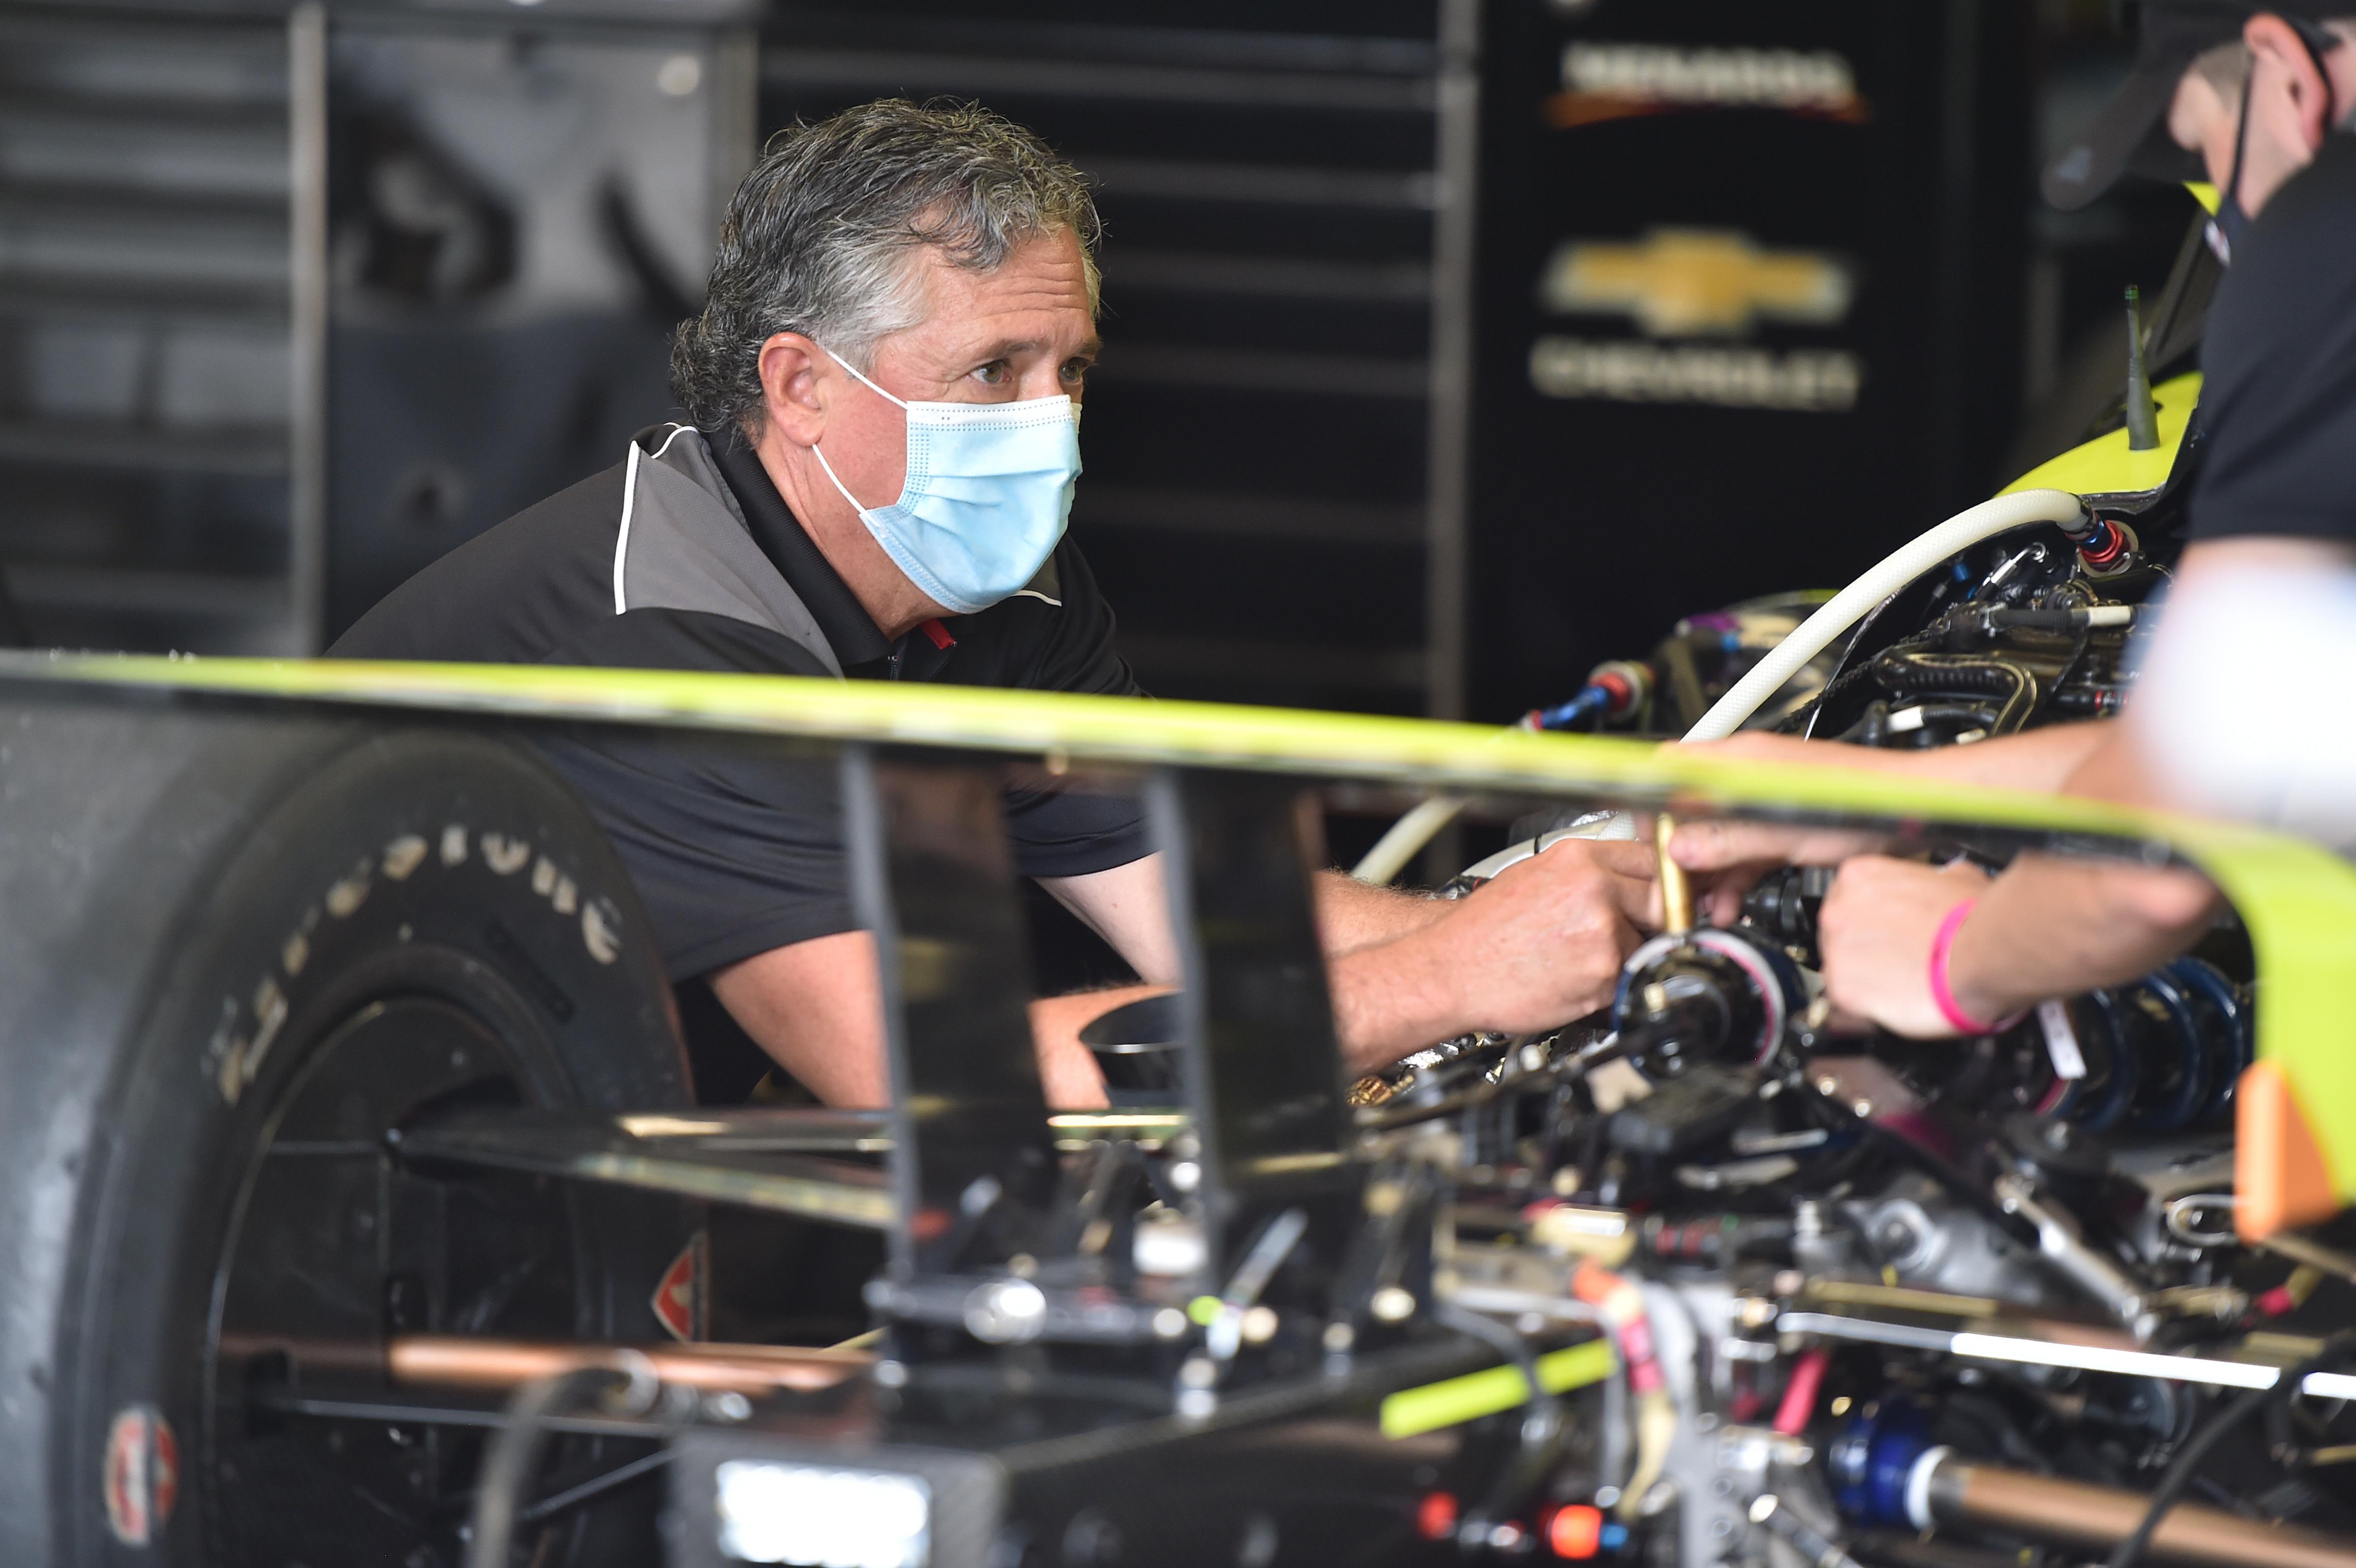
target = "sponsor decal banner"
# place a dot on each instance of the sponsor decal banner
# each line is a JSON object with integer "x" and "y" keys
{"x": 1603, "y": 82}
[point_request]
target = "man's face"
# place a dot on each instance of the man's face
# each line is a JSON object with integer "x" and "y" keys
{"x": 2201, "y": 120}
{"x": 1023, "y": 331}
{"x": 2291, "y": 105}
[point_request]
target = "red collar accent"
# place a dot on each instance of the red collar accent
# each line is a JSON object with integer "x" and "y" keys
{"x": 937, "y": 635}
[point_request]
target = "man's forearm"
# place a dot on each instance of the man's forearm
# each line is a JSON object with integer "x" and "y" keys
{"x": 2042, "y": 758}
{"x": 1351, "y": 914}
{"x": 2051, "y": 927}
{"x": 1389, "y": 1000}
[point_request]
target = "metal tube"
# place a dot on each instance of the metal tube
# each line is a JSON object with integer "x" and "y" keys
{"x": 444, "y": 1361}
{"x": 1676, "y": 894}
{"x": 2077, "y": 1514}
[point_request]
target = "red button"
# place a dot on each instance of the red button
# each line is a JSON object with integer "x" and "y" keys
{"x": 1575, "y": 1531}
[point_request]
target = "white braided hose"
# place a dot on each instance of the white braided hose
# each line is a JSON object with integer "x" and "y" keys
{"x": 1892, "y": 572}
{"x": 1412, "y": 832}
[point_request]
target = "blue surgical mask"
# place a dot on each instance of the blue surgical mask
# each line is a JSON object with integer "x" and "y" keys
{"x": 988, "y": 490}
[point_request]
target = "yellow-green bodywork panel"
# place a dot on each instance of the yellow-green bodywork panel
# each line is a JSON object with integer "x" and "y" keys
{"x": 2105, "y": 466}
{"x": 2298, "y": 900}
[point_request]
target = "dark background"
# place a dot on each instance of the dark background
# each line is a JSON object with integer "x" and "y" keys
{"x": 1314, "y": 427}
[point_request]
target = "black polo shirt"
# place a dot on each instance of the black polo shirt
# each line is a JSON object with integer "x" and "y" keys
{"x": 684, "y": 557}
{"x": 2278, "y": 357}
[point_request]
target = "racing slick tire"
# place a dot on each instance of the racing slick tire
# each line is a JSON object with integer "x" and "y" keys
{"x": 237, "y": 951}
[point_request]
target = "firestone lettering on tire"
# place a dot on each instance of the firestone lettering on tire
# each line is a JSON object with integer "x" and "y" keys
{"x": 232, "y": 1057}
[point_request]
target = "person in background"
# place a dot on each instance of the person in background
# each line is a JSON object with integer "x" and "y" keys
{"x": 884, "y": 389}
{"x": 2256, "y": 97}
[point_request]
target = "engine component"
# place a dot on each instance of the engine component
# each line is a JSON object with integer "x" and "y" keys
{"x": 1896, "y": 571}
{"x": 1704, "y": 995}
{"x": 1888, "y": 1472}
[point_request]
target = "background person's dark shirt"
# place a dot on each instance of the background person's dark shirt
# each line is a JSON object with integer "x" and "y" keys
{"x": 2278, "y": 357}
{"x": 733, "y": 843}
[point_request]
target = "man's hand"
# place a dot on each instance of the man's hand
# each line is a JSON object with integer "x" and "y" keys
{"x": 1535, "y": 947}
{"x": 1542, "y": 943}
{"x": 1875, "y": 932}
{"x": 1727, "y": 858}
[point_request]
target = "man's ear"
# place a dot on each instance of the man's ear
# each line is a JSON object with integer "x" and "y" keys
{"x": 2275, "y": 48}
{"x": 790, "y": 401}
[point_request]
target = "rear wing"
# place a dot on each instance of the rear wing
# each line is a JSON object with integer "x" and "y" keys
{"x": 2297, "y": 1106}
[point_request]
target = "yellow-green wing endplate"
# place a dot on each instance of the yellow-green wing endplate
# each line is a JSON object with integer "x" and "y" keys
{"x": 2295, "y": 1111}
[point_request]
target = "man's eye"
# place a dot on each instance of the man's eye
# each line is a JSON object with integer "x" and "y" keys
{"x": 1075, "y": 370}
{"x": 993, "y": 374}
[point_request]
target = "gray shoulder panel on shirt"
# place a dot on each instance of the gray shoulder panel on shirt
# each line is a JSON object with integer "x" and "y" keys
{"x": 688, "y": 547}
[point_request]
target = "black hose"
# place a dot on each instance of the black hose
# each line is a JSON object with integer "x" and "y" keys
{"x": 1542, "y": 1425}
{"x": 1801, "y": 719}
{"x": 2337, "y": 1351}
{"x": 511, "y": 1458}
{"x": 2014, "y": 684}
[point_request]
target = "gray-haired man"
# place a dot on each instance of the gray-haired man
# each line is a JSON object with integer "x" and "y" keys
{"x": 885, "y": 384}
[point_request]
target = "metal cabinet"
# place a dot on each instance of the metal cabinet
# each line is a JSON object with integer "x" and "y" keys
{"x": 294, "y": 300}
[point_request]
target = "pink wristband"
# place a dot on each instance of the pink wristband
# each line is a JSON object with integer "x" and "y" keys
{"x": 1942, "y": 993}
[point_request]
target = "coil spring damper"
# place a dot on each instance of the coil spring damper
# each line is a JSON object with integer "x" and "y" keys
{"x": 1708, "y": 996}
{"x": 2157, "y": 1055}
{"x": 2160, "y": 1054}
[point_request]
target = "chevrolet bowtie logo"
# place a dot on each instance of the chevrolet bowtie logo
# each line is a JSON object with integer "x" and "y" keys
{"x": 1687, "y": 283}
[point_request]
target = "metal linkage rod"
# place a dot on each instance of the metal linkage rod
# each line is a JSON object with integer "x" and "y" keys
{"x": 446, "y": 1360}
{"x": 2044, "y": 1508}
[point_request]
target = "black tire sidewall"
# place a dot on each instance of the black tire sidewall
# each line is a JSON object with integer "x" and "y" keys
{"x": 516, "y": 911}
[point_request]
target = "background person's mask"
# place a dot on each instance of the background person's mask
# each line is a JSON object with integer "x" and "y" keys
{"x": 988, "y": 490}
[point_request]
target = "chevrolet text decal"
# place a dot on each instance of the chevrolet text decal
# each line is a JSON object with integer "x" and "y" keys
{"x": 1614, "y": 81}
{"x": 1798, "y": 380}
